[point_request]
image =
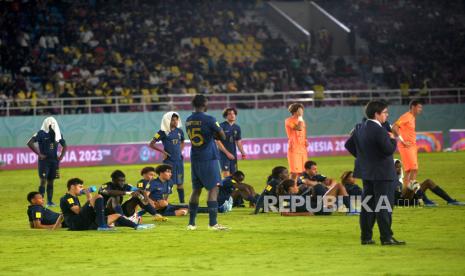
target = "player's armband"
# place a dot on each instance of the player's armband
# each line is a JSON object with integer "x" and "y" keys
{"x": 268, "y": 187}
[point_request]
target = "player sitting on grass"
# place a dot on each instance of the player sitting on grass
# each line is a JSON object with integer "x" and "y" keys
{"x": 320, "y": 197}
{"x": 278, "y": 174}
{"x": 159, "y": 190}
{"x": 40, "y": 217}
{"x": 312, "y": 179}
{"x": 414, "y": 192}
{"x": 242, "y": 191}
{"x": 348, "y": 180}
{"x": 91, "y": 216}
{"x": 113, "y": 193}
{"x": 230, "y": 187}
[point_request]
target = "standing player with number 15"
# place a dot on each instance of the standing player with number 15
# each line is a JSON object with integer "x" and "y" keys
{"x": 202, "y": 129}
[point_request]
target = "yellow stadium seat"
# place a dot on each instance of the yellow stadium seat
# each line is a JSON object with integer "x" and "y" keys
{"x": 214, "y": 40}
{"x": 206, "y": 40}
{"x": 258, "y": 46}
{"x": 249, "y": 46}
{"x": 195, "y": 41}
{"x": 263, "y": 75}
{"x": 250, "y": 39}
{"x": 230, "y": 47}
{"x": 221, "y": 46}
{"x": 189, "y": 77}
{"x": 240, "y": 47}
{"x": 175, "y": 70}
{"x": 192, "y": 91}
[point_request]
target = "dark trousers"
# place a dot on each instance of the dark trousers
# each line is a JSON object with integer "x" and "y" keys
{"x": 376, "y": 189}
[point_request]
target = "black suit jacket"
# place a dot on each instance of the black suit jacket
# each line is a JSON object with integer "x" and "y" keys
{"x": 372, "y": 147}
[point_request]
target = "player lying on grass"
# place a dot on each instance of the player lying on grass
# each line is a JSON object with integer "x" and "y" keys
{"x": 278, "y": 174}
{"x": 312, "y": 179}
{"x": 113, "y": 193}
{"x": 411, "y": 195}
{"x": 319, "y": 195}
{"x": 158, "y": 191}
{"x": 91, "y": 216}
{"x": 230, "y": 187}
{"x": 40, "y": 217}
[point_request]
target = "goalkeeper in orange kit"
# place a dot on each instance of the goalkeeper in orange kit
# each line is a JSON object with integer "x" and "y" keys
{"x": 297, "y": 140}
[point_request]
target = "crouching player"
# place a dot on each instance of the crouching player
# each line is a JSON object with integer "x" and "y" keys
{"x": 158, "y": 191}
{"x": 231, "y": 188}
{"x": 40, "y": 217}
{"x": 91, "y": 216}
{"x": 241, "y": 191}
{"x": 113, "y": 193}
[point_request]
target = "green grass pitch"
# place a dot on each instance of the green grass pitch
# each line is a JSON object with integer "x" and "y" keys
{"x": 263, "y": 244}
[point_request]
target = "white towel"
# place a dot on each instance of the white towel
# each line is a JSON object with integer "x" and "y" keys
{"x": 50, "y": 121}
{"x": 166, "y": 121}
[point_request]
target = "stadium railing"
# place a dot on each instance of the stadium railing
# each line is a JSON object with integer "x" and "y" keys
{"x": 140, "y": 103}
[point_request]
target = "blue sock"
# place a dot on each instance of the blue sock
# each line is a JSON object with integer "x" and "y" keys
{"x": 49, "y": 193}
{"x": 118, "y": 210}
{"x": 122, "y": 221}
{"x": 100, "y": 212}
{"x": 181, "y": 195}
{"x": 346, "y": 202}
{"x": 192, "y": 212}
{"x": 141, "y": 213}
{"x": 42, "y": 190}
{"x": 426, "y": 200}
{"x": 212, "y": 211}
{"x": 149, "y": 208}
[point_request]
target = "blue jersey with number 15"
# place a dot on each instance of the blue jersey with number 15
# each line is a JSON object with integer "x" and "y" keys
{"x": 201, "y": 129}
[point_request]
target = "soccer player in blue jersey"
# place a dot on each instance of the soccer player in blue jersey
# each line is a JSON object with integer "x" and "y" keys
{"x": 202, "y": 130}
{"x": 91, "y": 215}
{"x": 113, "y": 193}
{"x": 172, "y": 138}
{"x": 231, "y": 188}
{"x": 41, "y": 217}
{"x": 48, "y": 138}
{"x": 227, "y": 147}
{"x": 159, "y": 190}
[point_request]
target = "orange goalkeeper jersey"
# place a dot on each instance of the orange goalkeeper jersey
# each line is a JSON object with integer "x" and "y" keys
{"x": 406, "y": 124}
{"x": 296, "y": 138}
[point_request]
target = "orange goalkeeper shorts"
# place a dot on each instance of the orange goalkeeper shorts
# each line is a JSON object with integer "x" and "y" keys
{"x": 296, "y": 161}
{"x": 409, "y": 157}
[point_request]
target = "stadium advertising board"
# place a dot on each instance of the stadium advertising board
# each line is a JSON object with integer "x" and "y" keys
{"x": 140, "y": 153}
{"x": 457, "y": 139}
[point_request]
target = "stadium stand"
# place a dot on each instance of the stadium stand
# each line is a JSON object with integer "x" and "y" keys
{"x": 54, "y": 53}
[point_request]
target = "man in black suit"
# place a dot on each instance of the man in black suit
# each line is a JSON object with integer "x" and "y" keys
{"x": 373, "y": 146}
